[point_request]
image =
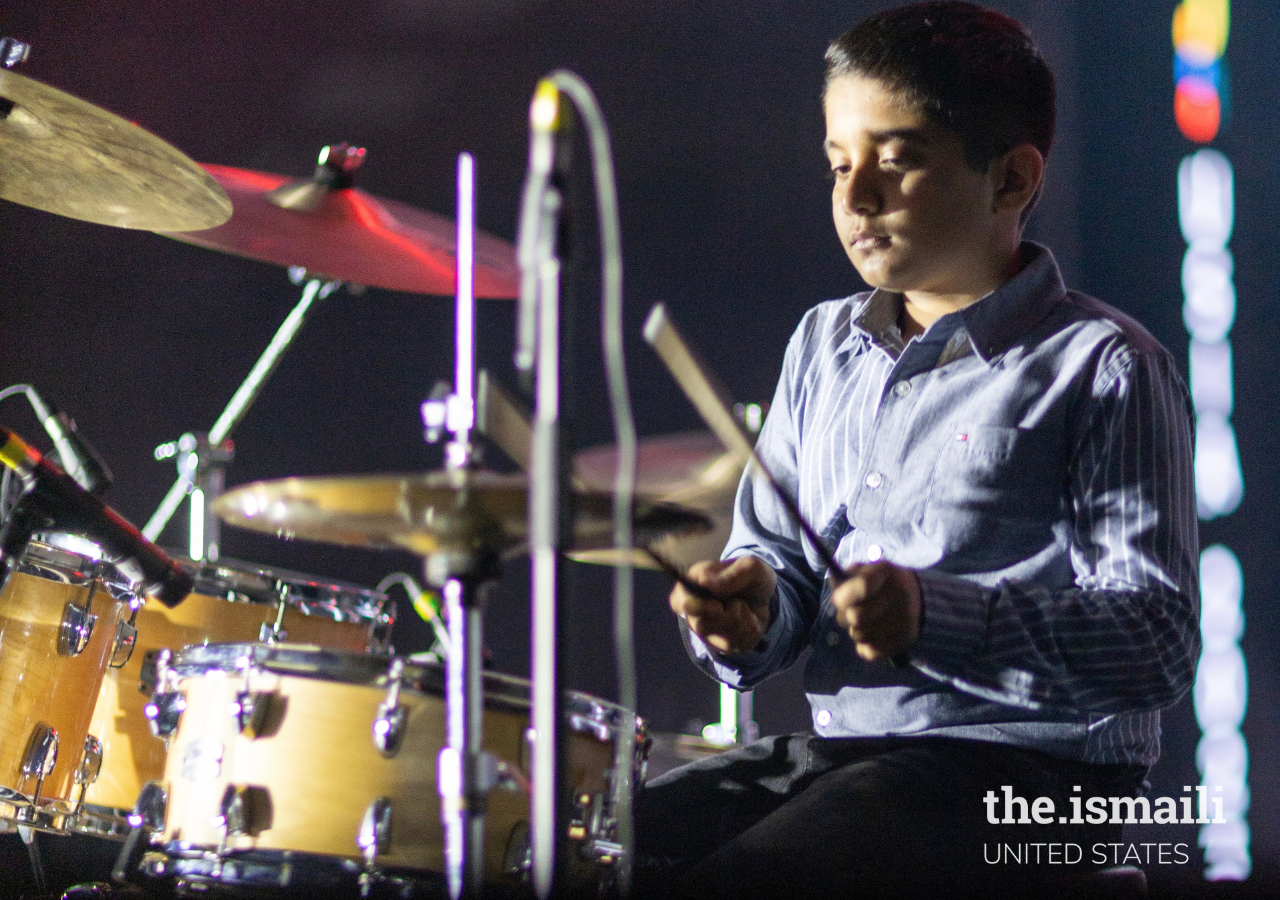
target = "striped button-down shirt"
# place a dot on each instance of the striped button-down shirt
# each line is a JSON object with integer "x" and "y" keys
{"x": 1030, "y": 457}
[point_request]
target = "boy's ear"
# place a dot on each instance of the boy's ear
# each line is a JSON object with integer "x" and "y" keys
{"x": 1017, "y": 176}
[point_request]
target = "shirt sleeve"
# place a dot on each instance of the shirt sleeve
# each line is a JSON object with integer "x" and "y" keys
{"x": 762, "y": 528}
{"x": 1126, "y": 636}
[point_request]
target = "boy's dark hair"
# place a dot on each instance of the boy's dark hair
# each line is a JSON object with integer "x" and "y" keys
{"x": 972, "y": 70}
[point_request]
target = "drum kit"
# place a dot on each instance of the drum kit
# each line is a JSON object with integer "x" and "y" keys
{"x": 263, "y": 735}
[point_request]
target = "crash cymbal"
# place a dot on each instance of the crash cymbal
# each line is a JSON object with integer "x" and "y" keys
{"x": 428, "y": 512}
{"x": 337, "y": 231}
{"x": 66, "y": 156}
{"x": 685, "y": 467}
{"x": 692, "y": 469}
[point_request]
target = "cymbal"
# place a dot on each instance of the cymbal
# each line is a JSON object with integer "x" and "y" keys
{"x": 64, "y": 155}
{"x": 428, "y": 512}
{"x": 340, "y": 232}
{"x": 692, "y": 469}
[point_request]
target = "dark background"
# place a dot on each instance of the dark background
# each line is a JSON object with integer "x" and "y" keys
{"x": 717, "y": 132}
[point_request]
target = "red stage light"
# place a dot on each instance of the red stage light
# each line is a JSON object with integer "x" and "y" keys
{"x": 1197, "y": 109}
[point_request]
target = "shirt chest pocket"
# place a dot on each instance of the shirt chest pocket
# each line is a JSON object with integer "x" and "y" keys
{"x": 993, "y": 493}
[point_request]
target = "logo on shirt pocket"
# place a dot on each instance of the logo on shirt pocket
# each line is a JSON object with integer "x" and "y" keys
{"x": 992, "y": 493}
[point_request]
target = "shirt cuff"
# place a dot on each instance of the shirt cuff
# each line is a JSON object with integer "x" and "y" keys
{"x": 955, "y": 613}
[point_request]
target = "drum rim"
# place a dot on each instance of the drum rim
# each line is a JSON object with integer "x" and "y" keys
{"x": 41, "y": 559}
{"x": 242, "y": 581}
{"x": 370, "y": 670}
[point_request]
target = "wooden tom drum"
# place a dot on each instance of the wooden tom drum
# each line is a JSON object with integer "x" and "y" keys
{"x": 232, "y": 601}
{"x": 281, "y": 774}
{"x": 64, "y": 618}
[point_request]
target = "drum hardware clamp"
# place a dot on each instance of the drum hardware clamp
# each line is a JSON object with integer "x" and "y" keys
{"x": 275, "y": 633}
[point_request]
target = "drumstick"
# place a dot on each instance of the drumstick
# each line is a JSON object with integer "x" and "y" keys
{"x": 710, "y": 401}
{"x": 681, "y": 578}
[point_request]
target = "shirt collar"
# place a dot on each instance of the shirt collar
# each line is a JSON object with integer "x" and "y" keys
{"x": 1017, "y": 306}
{"x": 993, "y": 323}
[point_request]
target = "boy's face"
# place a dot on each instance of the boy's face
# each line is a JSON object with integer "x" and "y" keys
{"x": 911, "y": 214}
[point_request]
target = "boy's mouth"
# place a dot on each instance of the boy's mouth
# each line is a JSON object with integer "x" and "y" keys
{"x": 868, "y": 242}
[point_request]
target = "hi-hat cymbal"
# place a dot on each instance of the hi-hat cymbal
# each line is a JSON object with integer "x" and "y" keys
{"x": 337, "y": 231}
{"x": 692, "y": 469}
{"x": 429, "y": 512}
{"x": 66, "y": 156}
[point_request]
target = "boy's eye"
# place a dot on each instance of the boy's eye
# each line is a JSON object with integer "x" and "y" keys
{"x": 837, "y": 171}
{"x": 899, "y": 160}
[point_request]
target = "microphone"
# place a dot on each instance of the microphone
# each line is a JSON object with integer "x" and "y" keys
{"x": 79, "y": 460}
{"x": 550, "y": 118}
{"x": 53, "y": 499}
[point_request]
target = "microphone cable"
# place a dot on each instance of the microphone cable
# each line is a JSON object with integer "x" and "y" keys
{"x": 611, "y": 336}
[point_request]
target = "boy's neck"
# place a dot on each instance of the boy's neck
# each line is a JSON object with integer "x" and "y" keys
{"x": 920, "y": 309}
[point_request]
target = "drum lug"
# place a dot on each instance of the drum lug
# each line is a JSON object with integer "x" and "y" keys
{"x": 373, "y": 838}
{"x": 151, "y": 810}
{"x": 41, "y": 756}
{"x": 389, "y": 723}
{"x": 245, "y": 810}
{"x": 252, "y": 712}
{"x": 155, "y": 665}
{"x": 90, "y": 767}
{"x": 380, "y": 630}
{"x": 149, "y": 816}
{"x": 76, "y": 629}
{"x": 122, "y": 649}
{"x": 164, "y": 712}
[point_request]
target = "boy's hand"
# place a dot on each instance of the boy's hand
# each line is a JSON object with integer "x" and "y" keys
{"x": 735, "y": 622}
{"x": 880, "y": 605}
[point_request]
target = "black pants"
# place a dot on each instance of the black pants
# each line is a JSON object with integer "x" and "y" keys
{"x": 804, "y": 816}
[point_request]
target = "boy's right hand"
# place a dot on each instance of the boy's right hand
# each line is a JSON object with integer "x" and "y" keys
{"x": 735, "y": 622}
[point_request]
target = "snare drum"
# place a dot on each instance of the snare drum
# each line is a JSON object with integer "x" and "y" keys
{"x": 232, "y": 601}
{"x": 296, "y": 766}
{"x": 64, "y": 618}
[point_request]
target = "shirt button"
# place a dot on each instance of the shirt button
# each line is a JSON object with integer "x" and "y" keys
{"x": 902, "y": 388}
{"x": 875, "y": 553}
{"x": 833, "y": 638}
{"x": 874, "y": 480}
{"x": 823, "y": 718}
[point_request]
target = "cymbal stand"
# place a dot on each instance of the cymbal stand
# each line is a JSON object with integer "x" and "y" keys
{"x": 202, "y": 458}
{"x": 465, "y": 773}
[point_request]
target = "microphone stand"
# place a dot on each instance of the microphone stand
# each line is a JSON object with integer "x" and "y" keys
{"x": 202, "y": 459}
{"x": 544, "y": 332}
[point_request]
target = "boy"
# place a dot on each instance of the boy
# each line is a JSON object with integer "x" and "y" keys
{"x": 1003, "y": 469}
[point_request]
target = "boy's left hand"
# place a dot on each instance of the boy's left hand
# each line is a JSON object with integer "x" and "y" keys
{"x": 880, "y": 605}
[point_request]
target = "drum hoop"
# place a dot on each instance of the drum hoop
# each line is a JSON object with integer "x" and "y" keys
{"x": 502, "y": 692}
{"x": 243, "y": 582}
{"x": 54, "y": 563}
